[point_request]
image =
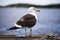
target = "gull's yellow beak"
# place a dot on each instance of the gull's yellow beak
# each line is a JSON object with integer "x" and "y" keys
{"x": 37, "y": 10}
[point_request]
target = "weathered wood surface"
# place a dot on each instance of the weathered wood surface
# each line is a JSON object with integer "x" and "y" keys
{"x": 13, "y": 37}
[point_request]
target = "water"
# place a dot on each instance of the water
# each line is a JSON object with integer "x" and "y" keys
{"x": 48, "y": 21}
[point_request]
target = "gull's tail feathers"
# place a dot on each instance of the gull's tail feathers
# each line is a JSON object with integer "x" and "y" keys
{"x": 13, "y": 28}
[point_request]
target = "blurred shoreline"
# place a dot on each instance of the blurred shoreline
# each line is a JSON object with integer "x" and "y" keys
{"x": 33, "y": 5}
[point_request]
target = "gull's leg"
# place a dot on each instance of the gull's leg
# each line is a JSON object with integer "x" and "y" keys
{"x": 25, "y": 32}
{"x": 30, "y": 31}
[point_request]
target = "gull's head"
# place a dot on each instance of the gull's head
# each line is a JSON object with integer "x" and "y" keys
{"x": 33, "y": 9}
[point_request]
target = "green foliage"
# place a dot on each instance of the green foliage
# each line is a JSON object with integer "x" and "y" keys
{"x": 29, "y": 5}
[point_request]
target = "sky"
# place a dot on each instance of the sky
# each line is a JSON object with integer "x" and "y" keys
{"x": 37, "y": 2}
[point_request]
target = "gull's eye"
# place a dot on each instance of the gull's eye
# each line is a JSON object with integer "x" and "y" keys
{"x": 33, "y": 9}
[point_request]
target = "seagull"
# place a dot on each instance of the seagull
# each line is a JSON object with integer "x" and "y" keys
{"x": 27, "y": 21}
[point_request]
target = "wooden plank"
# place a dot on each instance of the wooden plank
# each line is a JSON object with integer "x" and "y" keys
{"x": 13, "y": 37}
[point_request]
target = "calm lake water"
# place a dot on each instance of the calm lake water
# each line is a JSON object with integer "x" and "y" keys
{"x": 48, "y": 21}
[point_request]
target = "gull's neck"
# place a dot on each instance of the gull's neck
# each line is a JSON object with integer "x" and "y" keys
{"x": 33, "y": 13}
